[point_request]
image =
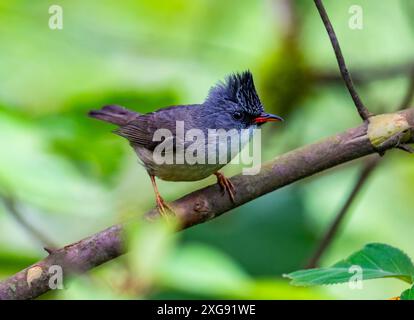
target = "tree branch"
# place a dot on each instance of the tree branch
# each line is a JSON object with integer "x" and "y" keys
{"x": 362, "y": 110}
{"x": 208, "y": 203}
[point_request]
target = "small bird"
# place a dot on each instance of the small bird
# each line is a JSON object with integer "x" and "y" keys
{"x": 232, "y": 104}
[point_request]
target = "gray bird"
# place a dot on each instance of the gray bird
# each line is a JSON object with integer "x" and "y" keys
{"x": 230, "y": 105}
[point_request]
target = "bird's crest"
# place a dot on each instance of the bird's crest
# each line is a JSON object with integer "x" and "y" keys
{"x": 238, "y": 88}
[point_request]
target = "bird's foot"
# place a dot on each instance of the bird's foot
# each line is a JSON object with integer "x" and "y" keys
{"x": 163, "y": 208}
{"x": 226, "y": 185}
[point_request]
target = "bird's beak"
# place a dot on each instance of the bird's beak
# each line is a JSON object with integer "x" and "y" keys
{"x": 267, "y": 117}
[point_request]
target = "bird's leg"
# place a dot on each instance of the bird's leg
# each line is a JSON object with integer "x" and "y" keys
{"x": 162, "y": 206}
{"x": 225, "y": 185}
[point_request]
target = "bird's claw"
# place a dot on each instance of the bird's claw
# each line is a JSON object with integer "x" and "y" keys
{"x": 226, "y": 185}
{"x": 163, "y": 208}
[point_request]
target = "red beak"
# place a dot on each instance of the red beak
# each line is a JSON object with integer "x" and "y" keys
{"x": 267, "y": 117}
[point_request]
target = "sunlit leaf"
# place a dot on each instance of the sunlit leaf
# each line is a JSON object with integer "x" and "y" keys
{"x": 374, "y": 261}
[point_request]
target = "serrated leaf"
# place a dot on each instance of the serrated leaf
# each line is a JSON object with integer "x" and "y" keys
{"x": 408, "y": 294}
{"x": 374, "y": 261}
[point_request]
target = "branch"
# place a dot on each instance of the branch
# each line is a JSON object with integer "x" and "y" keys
{"x": 362, "y": 110}
{"x": 209, "y": 203}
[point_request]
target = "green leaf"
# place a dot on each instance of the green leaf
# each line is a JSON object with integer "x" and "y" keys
{"x": 408, "y": 294}
{"x": 375, "y": 260}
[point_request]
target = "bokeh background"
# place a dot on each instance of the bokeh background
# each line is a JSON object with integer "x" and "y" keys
{"x": 70, "y": 177}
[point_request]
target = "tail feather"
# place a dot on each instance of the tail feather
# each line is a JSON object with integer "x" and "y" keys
{"x": 114, "y": 114}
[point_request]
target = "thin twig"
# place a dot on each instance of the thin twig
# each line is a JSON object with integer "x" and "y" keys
{"x": 328, "y": 238}
{"x": 370, "y": 166}
{"x": 362, "y": 110}
{"x": 364, "y": 114}
{"x": 10, "y": 204}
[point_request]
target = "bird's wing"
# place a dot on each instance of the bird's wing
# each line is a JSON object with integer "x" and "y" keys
{"x": 141, "y": 130}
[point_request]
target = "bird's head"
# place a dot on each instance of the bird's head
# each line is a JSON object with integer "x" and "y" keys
{"x": 235, "y": 103}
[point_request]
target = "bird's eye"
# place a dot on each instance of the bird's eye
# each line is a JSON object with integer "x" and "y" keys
{"x": 237, "y": 115}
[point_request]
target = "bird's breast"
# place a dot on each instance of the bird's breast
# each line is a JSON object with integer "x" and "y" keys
{"x": 195, "y": 159}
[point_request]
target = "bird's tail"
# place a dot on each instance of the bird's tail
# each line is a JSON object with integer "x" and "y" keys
{"x": 114, "y": 114}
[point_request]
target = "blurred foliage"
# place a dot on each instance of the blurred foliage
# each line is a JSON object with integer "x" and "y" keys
{"x": 73, "y": 177}
{"x": 286, "y": 79}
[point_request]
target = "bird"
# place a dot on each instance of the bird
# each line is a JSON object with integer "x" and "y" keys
{"x": 232, "y": 104}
